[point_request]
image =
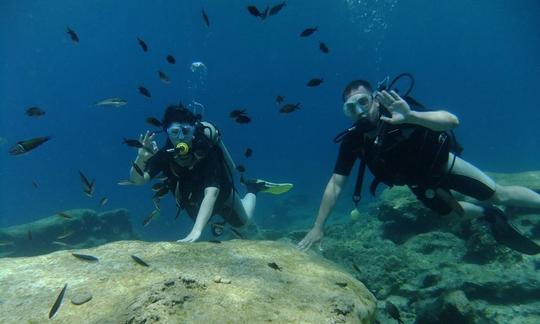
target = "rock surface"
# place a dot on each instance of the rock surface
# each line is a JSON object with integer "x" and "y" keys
{"x": 179, "y": 286}
{"x": 86, "y": 228}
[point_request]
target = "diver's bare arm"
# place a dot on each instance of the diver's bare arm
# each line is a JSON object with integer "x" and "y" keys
{"x": 205, "y": 211}
{"x": 330, "y": 196}
{"x": 440, "y": 120}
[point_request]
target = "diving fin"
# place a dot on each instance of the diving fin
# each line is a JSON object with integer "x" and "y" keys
{"x": 258, "y": 185}
{"x": 506, "y": 234}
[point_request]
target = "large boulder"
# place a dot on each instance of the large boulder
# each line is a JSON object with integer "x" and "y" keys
{"x": 232, "y": 282}
{"x": 76, "y": 228}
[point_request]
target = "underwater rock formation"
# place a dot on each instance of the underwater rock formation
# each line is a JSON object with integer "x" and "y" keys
{"x": 71, "y": 229}
{"x": 233, "y": 282}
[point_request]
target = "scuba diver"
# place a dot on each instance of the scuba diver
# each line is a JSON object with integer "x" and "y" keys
{"x": 198, "y": 171}
{"x": 417, "y": 148}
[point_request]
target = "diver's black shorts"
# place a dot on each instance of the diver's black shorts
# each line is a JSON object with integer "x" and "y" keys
{"x": 462, "y": 184}
{"x": 228, "y": 214}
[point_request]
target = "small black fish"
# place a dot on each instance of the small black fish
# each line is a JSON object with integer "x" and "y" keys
{"x": 138, "y": 169}
{"x": 85, "y": 257}
{"x": 280, "y": 99}
{"x": 215, "y": 241}
{"x": 341, "y": 284}
{"x": 35, "y": 112}
{"x": 88, "y": 187}
{"x": 277, "y": 8}
{"x": 393, "y": 311}
{"x": 153, "y": 215}
{"x": 139, "y": 260}
{"x": 243, "y": 119}
{"x": 144, "y": 92}
{"x": 237, "y": 112}
{"x": 254, "y": 11}
{"x": 171, "y": 59}
{"x": 132, "y": 143}
{"x": 27, "y": 145}
{"x": 356, "y": 268}
{"x": 237, "y": 233}
{"x": 308, "y": 31}
{"x": 73, "y": 35}
{"x": 248, "y": 152}
{"x": 163, "y": 77}
{"x": 289, "y": 108}
{"x": 57, "y": 302}
{"x": 324, "y": 48}
{"x": 143, "y": 44}
{"x": 154, "y": 122}
{"x": 64, "y": 215}
{"x": 35, "y": 184}
{"x": 240, "y": 168}
{"x": 205, "y": 18}
{"x": 315, "y": 82}
{"x": 274, "y": 266}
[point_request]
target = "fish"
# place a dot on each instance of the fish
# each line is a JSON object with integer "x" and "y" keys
{"x": 73, "y": 35}
{"x": 393, "y": 311}
{"x": 171, "y": 59}
{"x": 154, "y": 122}
{"x": 35, "y": 184}
{"x": 277, "y": 8}
{"x": 28, "y": 145}
{"x": 240, "y": 168}
{"x": 138, "y": 169}
{"x": 308, "y": 31}
{"x": 65, "y": 235}
{"x": 29, "y": 234}
{"x": 254, "y": 11}
{"x": 139, "y": 260}
{"x": 237, "y": 233}
{"x": 85, "y": 257}
{"x": 103, "y": 201}
{"x": 57, "y": 302}
{"x": 324, "y": 48}
{"x": 205, "y": 18}
{"x": 243, "y": 119}
{"x": 280, "y": 99}
{"x": 215, "y": 241}
{"x": 88, "y": 187}
{"x": 289, "y": 108}
{"x": 274, "y": 266}
{"x": 114, "y": 102}
{"x": 248, "y": 153}
{"x": 157, "y": 186}
{"x": 60, "y": 243}
{"x": 237, "y": 112}
{"x": 35, "y": 112}
{"x": 161, "y": 192}
{"x": 341, "y": 284}
{"x": 142, "y": 44}
{"x": 64, "y": 215}
{"x": 153, "y": 215}
{"x": 145, "y": 92}
{"x": 163, "y": 77}
{"x": 125, "y": 182}
{"x": 356, "y": 268}
{"x": 315, "y": 82}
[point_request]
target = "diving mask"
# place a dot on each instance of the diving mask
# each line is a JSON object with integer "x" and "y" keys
{"x": 181, "y": 132}
{"x": 357, "y": 105}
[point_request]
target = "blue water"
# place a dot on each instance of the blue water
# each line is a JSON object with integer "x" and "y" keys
{"x": 479, "y": 60}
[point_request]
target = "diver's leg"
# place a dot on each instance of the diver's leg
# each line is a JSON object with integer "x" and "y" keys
{"x": 471, "y": 210}
{"x": 242, "y": 208}
{"x": 517, "y": 196}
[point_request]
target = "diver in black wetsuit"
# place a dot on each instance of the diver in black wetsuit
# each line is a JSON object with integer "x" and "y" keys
{"x": 198, "y": 171}
{"x": 401, "y": 146}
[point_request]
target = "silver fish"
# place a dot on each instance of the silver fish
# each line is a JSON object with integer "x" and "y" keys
{"x": 115, "y": 102}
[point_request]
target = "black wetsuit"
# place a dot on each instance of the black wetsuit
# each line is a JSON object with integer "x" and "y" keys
{"x": 409, "y": 155}
{"x": 208, "y": 171}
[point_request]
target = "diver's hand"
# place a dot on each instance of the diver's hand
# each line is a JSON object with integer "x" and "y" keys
{"x": 313, "y": 236}
{"x": 149, "y": 146}
{"x": 396, "y": 105}
{"x": 192, "y": 237}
